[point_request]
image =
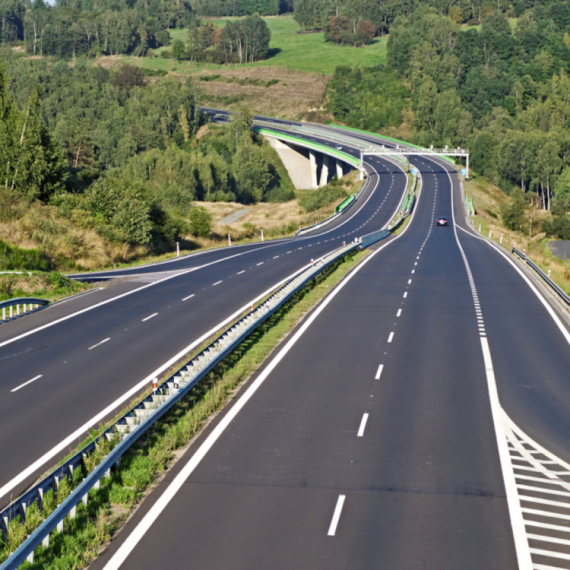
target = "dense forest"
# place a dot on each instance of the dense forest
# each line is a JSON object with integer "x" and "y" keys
{"x": 79, "y": 27}
{"x": 501, "y": 90}
{"x": 119, "y": 154}
{"x": 223, "y": 8}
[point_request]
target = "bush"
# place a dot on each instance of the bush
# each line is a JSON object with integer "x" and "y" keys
{"x": 514, "y": 212}
{"x": 315, "y": 199}
{"x": 16, "y": 259}
{"x": 200, "y": 222}
{"x": 558, "y": 227}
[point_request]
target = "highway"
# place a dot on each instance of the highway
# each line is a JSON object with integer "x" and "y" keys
{"x": 370, "y": 444}
{"x": 417, "y": 418}
{"x": 64, "y": 369}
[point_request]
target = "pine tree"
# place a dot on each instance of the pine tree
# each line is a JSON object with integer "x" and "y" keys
{"x": 8, "y": 119}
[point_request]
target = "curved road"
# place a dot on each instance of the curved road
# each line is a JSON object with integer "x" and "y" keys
{"x": 66, "y": 368}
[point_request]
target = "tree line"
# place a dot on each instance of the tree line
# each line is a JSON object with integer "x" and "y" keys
{"x": 502, "y": 90}
{"x": 116, "y": 153}
{"x": 74, "y": 27}
{"x": 241, "y": 41}
{"x": 233, "y": 8}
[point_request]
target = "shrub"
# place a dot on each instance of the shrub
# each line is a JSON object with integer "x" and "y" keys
{"x": 200, "y": 222}
{"x": 15, "y": 258}
{"x": 514, "y": 212}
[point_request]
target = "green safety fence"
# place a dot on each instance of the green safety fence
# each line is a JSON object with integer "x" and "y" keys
{"x": 310, "y": 144}
{"x": 345, "y": 203}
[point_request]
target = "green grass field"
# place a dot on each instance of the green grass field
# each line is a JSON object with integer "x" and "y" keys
{"x": 300, "y": 52}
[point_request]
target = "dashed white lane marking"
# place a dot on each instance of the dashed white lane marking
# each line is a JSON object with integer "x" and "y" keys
{"x": 189, "y": 297}
{"x": 379, "y": 372}
{"x": 405, "y": 294}
{"x": 292, "y": 252}
{"x": 149, "y": 317}
{"x": 99, "y": 343}
{"x": 409, "y": 281}
{"x": 391, "y": 337}
{"x": 362, "y": 426}
{"x": 240, "y": 272}
{"x": 143, "y": 383}
{"x": 217, "y": 283}
{"x": 158, "y": 507}
{"x": 416, "y": 263}
{"x": 399, "y": 312}
{"x": 508, "y": 468}
{"x": 336, "y": 515}
{"x": 413, "y": 271}
{"x": 26, "y": 383}
{"x": 260, "y": 263}
{"x": 275, "y": 257}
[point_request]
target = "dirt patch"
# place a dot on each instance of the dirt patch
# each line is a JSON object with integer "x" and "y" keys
{"x": 107, "y": 61}
{"x": 294, "y": 94}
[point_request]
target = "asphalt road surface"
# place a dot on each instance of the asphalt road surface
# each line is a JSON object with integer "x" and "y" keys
{"x": 95, "y": 352}
{"x": 370, "y": 444}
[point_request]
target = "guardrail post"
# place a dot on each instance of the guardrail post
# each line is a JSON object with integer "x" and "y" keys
{"x": 229, "y": 240}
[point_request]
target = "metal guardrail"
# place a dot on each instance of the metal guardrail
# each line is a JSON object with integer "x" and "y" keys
{"x": 556, "y": 288}
{"x": 141, "y": 417}
{"x": 31, "y": 303}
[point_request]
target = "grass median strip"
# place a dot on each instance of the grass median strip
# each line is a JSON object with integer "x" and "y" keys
{"x": 148, "y": 460}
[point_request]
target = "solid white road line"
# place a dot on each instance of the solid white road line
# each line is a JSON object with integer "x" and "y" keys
{"x": 149, "y": 317}
{"x": 99, "y": 343}
{"x": 95, "y": 420}
{"x": 515, "y": 512}
{"x": 550, "y": 554}
{"x": 148, "y": 520}
{"x": 399, "y": 312}
{"x": 107, "y": 301}
{"x": 544, "y": 538}
{"x": 362, "y": 425}
{"x": 391, "y": 337}
{"x": 26, "y": 383}
{"x": 189, "y": 297}
{"x": 336, "y": 515}
{"x": 379, "y": 372}
{"x": 217, "y": 283}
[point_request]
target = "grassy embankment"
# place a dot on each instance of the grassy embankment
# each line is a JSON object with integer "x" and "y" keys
{"x": 488, "y": 200}
{"x": 65, "y": 245}
{"x": 146, "y": 463}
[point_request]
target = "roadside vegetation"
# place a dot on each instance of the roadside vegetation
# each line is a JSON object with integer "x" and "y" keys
{"x": 147, "y": 462}
{"x": 516, "y": 221}
{"x": 44, "y": 285}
